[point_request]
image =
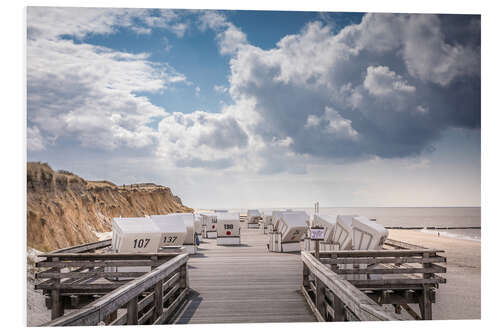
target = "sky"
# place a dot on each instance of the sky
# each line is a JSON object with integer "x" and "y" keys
{"x": 236, "y": 109}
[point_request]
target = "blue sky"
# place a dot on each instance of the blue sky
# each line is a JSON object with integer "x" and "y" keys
{"x": 260, "y": 108}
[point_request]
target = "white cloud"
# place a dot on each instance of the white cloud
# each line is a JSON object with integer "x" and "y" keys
{"x": 312, "y": 121}
{"x": 197, "y": 138}
{"x": 381, "y": 80}
{"x": 89, "y": 92}
{"x": 142, "y": 30}
{"x": 220, "y": 89}
{"x": 419, "y": 164}
{"x": 35, "y": 141}
{"x": 317, "y": 96}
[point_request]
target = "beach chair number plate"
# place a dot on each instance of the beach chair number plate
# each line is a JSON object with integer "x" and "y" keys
{"x": 317, "y": 233}
{"x": 169, "y": 239}
{"x": 141, "y": 243}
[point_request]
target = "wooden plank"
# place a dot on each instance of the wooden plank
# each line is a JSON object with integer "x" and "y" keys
{"x": 145, "y": 302}
{"x": 380, "y": 253}
{"x": 82, "y": 286}
{"x": 95, "y": 311}
{"x": 132, "y": 313}
{"x": 158, "y": 299}
{"x": 388, "y": 282}
{"x": 169, "y": 294}
{"x": 311, "y": 304}
{"x": 171, "y": 308}
{"x": 147, "y": 315}
{"x": 93, "y": 274}
{"x": 431, "y": 269}
{"x": 81, "y": 248}
{"x": 57, "y": 306}
{"x": 402, "y": 245}
{"x": 108, "y": 256}
{"x": 373, "y": 261}
{"x": 90, "y": 264}
{"x": 364, "y": 307}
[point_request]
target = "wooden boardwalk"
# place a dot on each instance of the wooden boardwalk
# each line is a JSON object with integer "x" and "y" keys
{"x": 244, "y": 284}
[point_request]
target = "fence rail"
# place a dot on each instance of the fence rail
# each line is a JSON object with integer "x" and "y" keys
{"x": 353, "y": 285}
{"x": 151, "y": 298}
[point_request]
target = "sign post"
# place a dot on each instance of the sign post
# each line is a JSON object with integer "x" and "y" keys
{"x": 317, "y": 235}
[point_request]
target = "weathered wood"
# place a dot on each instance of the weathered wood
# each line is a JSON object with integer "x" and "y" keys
{"x": 91, "y": 264}
{"x": 369, "y": 270}
{"x": 97, "y": 310}
{"x": 57, "y": 304}
{"x": 81, "y": 286}
{"x": 401, "y": 297}
{"x": 171, "y": 292}
{"x": 244, "y": 284}
{"x": 425, "y": 304}
{"x": 93, "y": 274}
{"x": 132, "y": 312}
{"x": 338, "y": 309}
{"x": 401, "y": 281}
{"x": 402, "y": 245}
{"x": 111, "y": 317}
{"x": 145, "y": 302}
{"x": 311, "y": 304}
{"x": 120, "y": 320}
{"x": 305, "y": 276}
{"x": 158, "y": 299}
{"x": 364, "y": 307}
{"x": 380, "y": 253}
{"x": 108, "y": 256}
{"x": 82, "y": 247}
{"x": 320, "y": 298}
{"x": 373, "y": 261}
{"x": 171, "y": 308}
{"x": 411, "y": 312}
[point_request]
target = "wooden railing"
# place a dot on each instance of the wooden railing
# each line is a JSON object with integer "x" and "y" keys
{"x": 353, "y": 285}
{"x": 74, "y": 275}
{"x": 87, "y": 247}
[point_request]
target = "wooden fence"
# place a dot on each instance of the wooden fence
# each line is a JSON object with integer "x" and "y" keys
{"x": 72, "y": 276}
{"x": 353, "y": 285}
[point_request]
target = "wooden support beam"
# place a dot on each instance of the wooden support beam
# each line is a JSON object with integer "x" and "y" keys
{"x": 57, "y": 309}
{"x": 132, "y": 313}
{"x": 320, "y": 298}
{"x": 158, "y": 299}
{"x": 338, "y": 309}
{"x": 411, "y": 312}
{"x": 425, "y": 304}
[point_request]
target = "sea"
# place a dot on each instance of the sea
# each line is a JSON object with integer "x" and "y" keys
{"x": 456, "y": 217}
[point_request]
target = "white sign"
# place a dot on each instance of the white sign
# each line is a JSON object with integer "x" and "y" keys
{"x": 317, "y": 233}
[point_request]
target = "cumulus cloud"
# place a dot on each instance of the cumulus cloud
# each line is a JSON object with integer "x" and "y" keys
{"x": 87, "y": 92}
{"x": 35, "y": 141}
{"x": 200, "y": 138}
{"x": 386, "y": 87}
{"x": 381, "y": 80}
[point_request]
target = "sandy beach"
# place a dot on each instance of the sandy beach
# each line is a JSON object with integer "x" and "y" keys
{"x": 460, "y": 296}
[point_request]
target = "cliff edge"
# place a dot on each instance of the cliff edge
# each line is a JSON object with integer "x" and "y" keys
{"x": 64, "y": 209}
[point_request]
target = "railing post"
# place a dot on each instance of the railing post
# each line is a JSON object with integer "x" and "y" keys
{"x": 425, "y": 303}
{"x": 184, "y": 283}
{"x": 338, "y": 309}
{"x": 305, "y": 276}
{"x": 158, "y": 299}
{"x": 57, "y": 309}
{"x": 320, "y": 298}
{"x": 132, "y": 312}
